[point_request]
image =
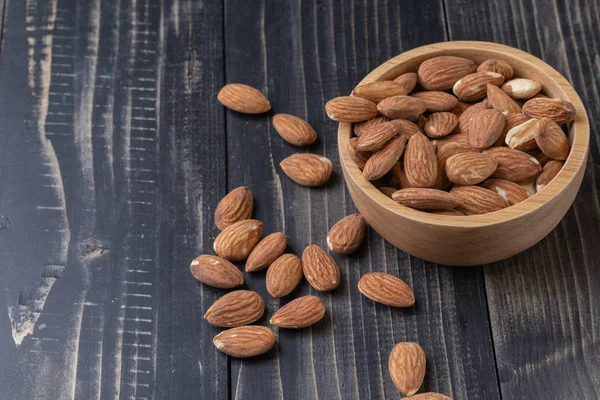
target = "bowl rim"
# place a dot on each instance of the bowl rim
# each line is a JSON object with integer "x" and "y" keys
{"x": 579, "y": 135}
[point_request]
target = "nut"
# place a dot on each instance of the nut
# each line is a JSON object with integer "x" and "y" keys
{"x": 425, "y": 199}
{"x": 243, "y": 98}
{"x": 386, "y": 289}
{"x": 350, "y": 109}
{"x": 512, "y": 192}
{"x": 294, "y": 130}
{"x": 284, "y": 275}
{"x": 408, "y": 81}
{"x": 437, "y": 101}
{"x": 473, "y": 87}
{"x": 365, "y": 126}
{"x": 477, "y": 200}
{"x": 484, "y": 128}
{"x": 500, "y": 101}
{"x": 359, "y": 157}
{"x": 420, "y": 163}
{"x": 320, "y": 269}
{"x": 382, "y": 162}
{"x": 236, "y": 206}
{"x": 522, "y": 137}
{"x": 307, "y": 169}
{"x": 266, "y": 251}
{"x": 407, "y": 367}
{"x": 521, "y": 88}
{"x": 551, "y": 169}
{"x": 513, "y": 165}
{"x": 299, "y": 313}
{"x": 441, "y": 73}
{"x": 500, "y": 67}
{"x": 552, "y": 140}
{"x": 236, "y": 241}
{"x": 469, "y": 168}
{"x": 347, "y": 234}
{"x": 237, "y": 308}
{"x": 440, "y": 124}
{"x": 379, "y": 90}
{"x": 401, "y": 107}
{"x": 245, "y": 341}
{"x": 558, "y": 110}
{"x": 217, "y": 272}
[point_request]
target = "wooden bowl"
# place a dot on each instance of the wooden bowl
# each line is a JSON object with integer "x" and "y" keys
{"x": 475, "y": 239}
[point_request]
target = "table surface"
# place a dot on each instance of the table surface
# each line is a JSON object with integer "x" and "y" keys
{"x": 115, "y": 153}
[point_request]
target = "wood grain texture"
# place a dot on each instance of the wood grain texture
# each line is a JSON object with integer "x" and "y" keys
{"x": 300, "y": 55}
{"x": 544, "y": 304}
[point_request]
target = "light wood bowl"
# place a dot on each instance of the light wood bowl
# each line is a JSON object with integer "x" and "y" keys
{"x": 476, "y": 239}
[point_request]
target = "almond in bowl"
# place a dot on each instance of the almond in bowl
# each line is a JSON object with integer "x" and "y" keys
{"x": 479, "y": 127}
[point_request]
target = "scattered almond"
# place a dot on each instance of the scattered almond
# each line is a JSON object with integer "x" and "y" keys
{"x": 437, "y": 101}
{"x": 513, "y": 165}
{"x": 386, "y": 289}
{"x": 522, "y": 88}
{"x": 294, "y": 130}
{"x": 401, "y": 107}
{"x": 299, "y": 313}
{"x": 442, "y": 72}
{"x": 236, "y": 241}
{"x": 217, "y": 272}
{"x": 473, "y": 87}
{"x": 266, "y": 251}
{"x": 379, "y": 90}
{"x": 440, "y": 124}
{"x": 477, "y": 200}
{"x": 407, "y": 367}
{"x": 500, "y": 101}
{"x": 551, "y": 169}
{"x": 484, "y": 128}
{"x": 558, "y": 110}
{"x": 236, "y": 206}
{"x": 307, "y": 169}
{"x": 420, "y": 163}
{"x": 500, "y": 67}
{"x": 383, "y": 160}
{"x": 284, "y": 275}
{"x": 350, "y": 109}
{"x": 522, "y": 137}
{"x": 551, "y": 139}
{"x": 320, "y": 269}
{"x": 512, "y": 192}
{"x": 245, "y": 341}
{"x": 425, "y": 199}
{"x": 237, "y": 308}
{"x": 469, "y": 168}
{"x": 408, "y": 81}
{"x": 347, "y": 234}
{"x": 243, "y": 98}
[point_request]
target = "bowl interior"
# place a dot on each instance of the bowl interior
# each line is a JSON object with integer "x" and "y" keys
{"x": 525, "y": 66}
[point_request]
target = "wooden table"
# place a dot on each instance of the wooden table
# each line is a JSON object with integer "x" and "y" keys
{"x": 115, "y": 153}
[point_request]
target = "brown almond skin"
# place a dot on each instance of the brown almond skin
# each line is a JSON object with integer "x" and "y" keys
{"x": 284, "y": 275}
{"x": 386, "y": 289}
{"x": 498, "y": 66}
{"x": 364, "y": 126}
{"x": 512, "y": 192}
{"x": 266, "y": 251}
{"x": 408, "y": 81}
{"x": 460, "y": 108}
{"x": 443, "y": 154}
{"x": 425, "y": 199}
{"x": 513, "y": 165}
{"x": 294, "y": 130}
{"x": 382, "y": 161}
{"x": 558, "y": 110}
{"x": 468, "y": 114}
{"x": 307, "y": 169}
{"x": 401, "y": 107}
{"x": 379, "y": 136}
{"x": 243, "y": 98}
{"x": 237, "y": 308}
{"x": 436, "y": 101}
{"x": 420, "y": 163}
{"x": 484, "y": 128}
{"x": 441, "y": 73}
{"x": 350, "y": 109}
{"x": 430, "y": 396}
{"x": 320, "y": 270}
{"x": 440, "y": 124}
{"x": 469, "y": 168}
{"x": 461, "y": 139}
{"x": 216, "y": 272}
{"x": 236, "y": 241}
{"x": 473, "y": 87}
{"x": 299, "y": 313}
{"x": 540, "y": 156}
{"x": 400, "y": 176}
{"x": 245, "y": 341}
{"x": 551, "y": 169}
{"x": 510, "y": 121}
{"x": 347, "y": 234}
{"x": 407, "y": 365}
{"x": 500, "y": 101}
{"x": 477, "y": 200}
{"x": 236, "y": 206}
{"x": 522, "y": 137}
{"x": 551, "y": 139}
{"x": 379, "y": 90}
{"x": 359, "y": 157}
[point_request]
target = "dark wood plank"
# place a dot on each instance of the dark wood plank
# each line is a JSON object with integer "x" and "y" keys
{"x": 301, "y": 54}
{"x": 544, "y": 304}
{"x": 109, "y": 169}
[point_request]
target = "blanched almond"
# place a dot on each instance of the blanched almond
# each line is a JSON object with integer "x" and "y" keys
{"x": 522, "y": 88}
{"x": 522, "y": 137}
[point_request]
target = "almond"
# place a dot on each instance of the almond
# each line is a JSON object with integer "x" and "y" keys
{"x": 407, "y": 128}
{"x": 382, "y": 161}
{"x": 364, "y": 126}
{"x": 440, "y": 124}
{"x": 473, "y": 87}
{"x": 347, "y": 234}
{"x": 245, "y": 341}
{"x": 236, "y": 241}
{"x": 420, "y": 163}
{"x": 513, "y": 165}
{"x": 558, "y": 110}
{"x": 460, "y": 108}
{"x": 551, "y": 169}
{"x": 512, "y": 192}
{"x": 522, "y": 137}
{"x": 400, "y": 176}
{"x": 552, "y": 140}
{"x": 477, "y": 200}
{"x": 521, "y": 88}
{"x": 377, "y": 91}
{"x": 284, "y": 275}
{"x": 401, "y": 107}
{"x": 528, "y": 185}
{"x": 407, "y": 367}
{"x": 442, "y": 72}
{"x": 430, "y": 396}
{"x": 425, "y": 199}
{"x": 510, "y": 121}
{"x": 386, "y": 289}
{"x": 266, "y": 251}
{"x": 539, "y": 156}
{"x": 320, "y": 269}
{"x": 484, "y": 128}
{"x": 236, "y": 206}
{"x": 350, "y": 109}
{"x": 294, "y": 130}
{"x": 408, "y": 81}
{"x": 500, "y": 101}
{"x": 437, "y": 101}
{"x": 359, "y": 157}
{"x": 421, "y": 121}
{"x": 307, "y": 169}
{"x": 442, "y": 155}
{"x": 452, "y": 213}
{"x": 376, "y": 138}
{"x": 299, "y": 313}
{"x": 387, "y": 190}
{"x": 468, "y": 114}
{"x": 243, "y": 98}
{"x": 469, "y": 168}
{"x": 217, "y": 272}
{"x": 237, "y": 308}
{"x": 461, "y": 139}
{"x": 500, "y": 67}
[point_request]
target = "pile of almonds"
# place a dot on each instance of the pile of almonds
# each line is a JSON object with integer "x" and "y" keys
{"x": 492, "y": 142}
{"x": 241, "y": 239}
